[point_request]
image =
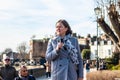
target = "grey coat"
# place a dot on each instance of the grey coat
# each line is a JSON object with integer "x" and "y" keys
{"x": 62, "y": 68}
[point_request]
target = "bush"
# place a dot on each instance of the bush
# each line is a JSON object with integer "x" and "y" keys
{"x": 103, "y": 75}
{"x": 86, "y": 53}
{"x": 109, "y": 66}
{"x": 116, "y": 67}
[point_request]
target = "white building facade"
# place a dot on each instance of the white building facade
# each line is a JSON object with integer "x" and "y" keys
{"x": 103, "y": 50}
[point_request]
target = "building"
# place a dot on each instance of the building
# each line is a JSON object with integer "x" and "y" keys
{"x": 105, "y": 49}
{"x": 84, "y": 43}
{"x": 37, "y": 49}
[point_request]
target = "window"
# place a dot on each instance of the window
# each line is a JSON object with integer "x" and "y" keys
{"x": 109, "y": 52}
{"x": 95, "y": 53}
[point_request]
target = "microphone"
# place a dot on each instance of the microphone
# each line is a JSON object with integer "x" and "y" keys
{"x": 61, "y": 40}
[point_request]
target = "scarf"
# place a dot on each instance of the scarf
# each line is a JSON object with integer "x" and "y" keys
{"x": 73, "y": 52}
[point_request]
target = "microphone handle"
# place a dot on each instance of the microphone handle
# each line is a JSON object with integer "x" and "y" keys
{"x": 61, "y": 40}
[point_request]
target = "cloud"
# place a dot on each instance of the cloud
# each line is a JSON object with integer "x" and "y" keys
{"x": 53, "y": 7}
{"x": 7, "y": 4}
{"x": 20, "y": 19}
{"x": 84, "y": 28}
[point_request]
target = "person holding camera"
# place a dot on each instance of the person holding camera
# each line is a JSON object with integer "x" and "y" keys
{"x": 63, "y": 52}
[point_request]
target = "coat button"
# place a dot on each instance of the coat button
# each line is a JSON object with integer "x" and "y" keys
{"x": 60, "y": 65}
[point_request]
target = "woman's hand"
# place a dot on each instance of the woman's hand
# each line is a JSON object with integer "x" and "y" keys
{"x": 59, "y": 46}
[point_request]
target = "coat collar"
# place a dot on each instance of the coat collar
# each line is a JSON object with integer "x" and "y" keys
{"x": 66, "y": 37}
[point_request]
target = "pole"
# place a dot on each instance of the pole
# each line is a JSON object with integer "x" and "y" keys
{"x": 98, "y": 13}
{"x": 97, "y": 47}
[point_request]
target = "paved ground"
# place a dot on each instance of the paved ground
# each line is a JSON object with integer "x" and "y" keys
{"x": 43, "y": 78}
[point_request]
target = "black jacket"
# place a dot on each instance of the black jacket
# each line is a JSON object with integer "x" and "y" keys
{"x": 8, "y": 72}
{"x": 30, "y": 77}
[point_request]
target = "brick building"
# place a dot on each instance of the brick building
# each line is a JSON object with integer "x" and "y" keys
{"x": 37, "y": 49}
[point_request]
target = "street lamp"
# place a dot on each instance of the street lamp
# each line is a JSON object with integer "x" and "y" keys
{"x": 97, "y": 13}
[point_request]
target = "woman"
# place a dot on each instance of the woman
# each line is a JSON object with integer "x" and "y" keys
{"x": 64, "y": 53}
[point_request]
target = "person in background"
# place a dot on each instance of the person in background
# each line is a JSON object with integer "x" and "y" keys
{"x": 63, "y": 52}
{"x": 42, "y": 62}
{"x": 87, "y": 66}
{"x": 48, "y": 69}
{"x": 23, "y": 74}
{"x": 7, "y": 72}
{"x": 102, "y": 65}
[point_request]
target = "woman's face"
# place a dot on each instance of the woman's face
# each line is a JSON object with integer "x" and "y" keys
{"x": 24, "y": 72}
{"x": 6, "y": 61}
{"x": 61, "y": 29}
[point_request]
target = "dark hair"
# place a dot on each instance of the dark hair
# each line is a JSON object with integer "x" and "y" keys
{"x": 65, "y": 23}
{"x": 22, "y": 66}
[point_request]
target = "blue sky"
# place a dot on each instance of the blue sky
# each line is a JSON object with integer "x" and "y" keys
{"x": 20, "y": 19}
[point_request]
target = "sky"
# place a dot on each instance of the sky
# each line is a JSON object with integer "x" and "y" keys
{"x": 21, "y": 19}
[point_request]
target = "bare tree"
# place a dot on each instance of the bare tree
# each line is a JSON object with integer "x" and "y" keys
{"x": 22, "y": 49}
{"x": 7, "y": 50}
{"x": 110, "y": 13}
{"x": 109, "y": 20}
